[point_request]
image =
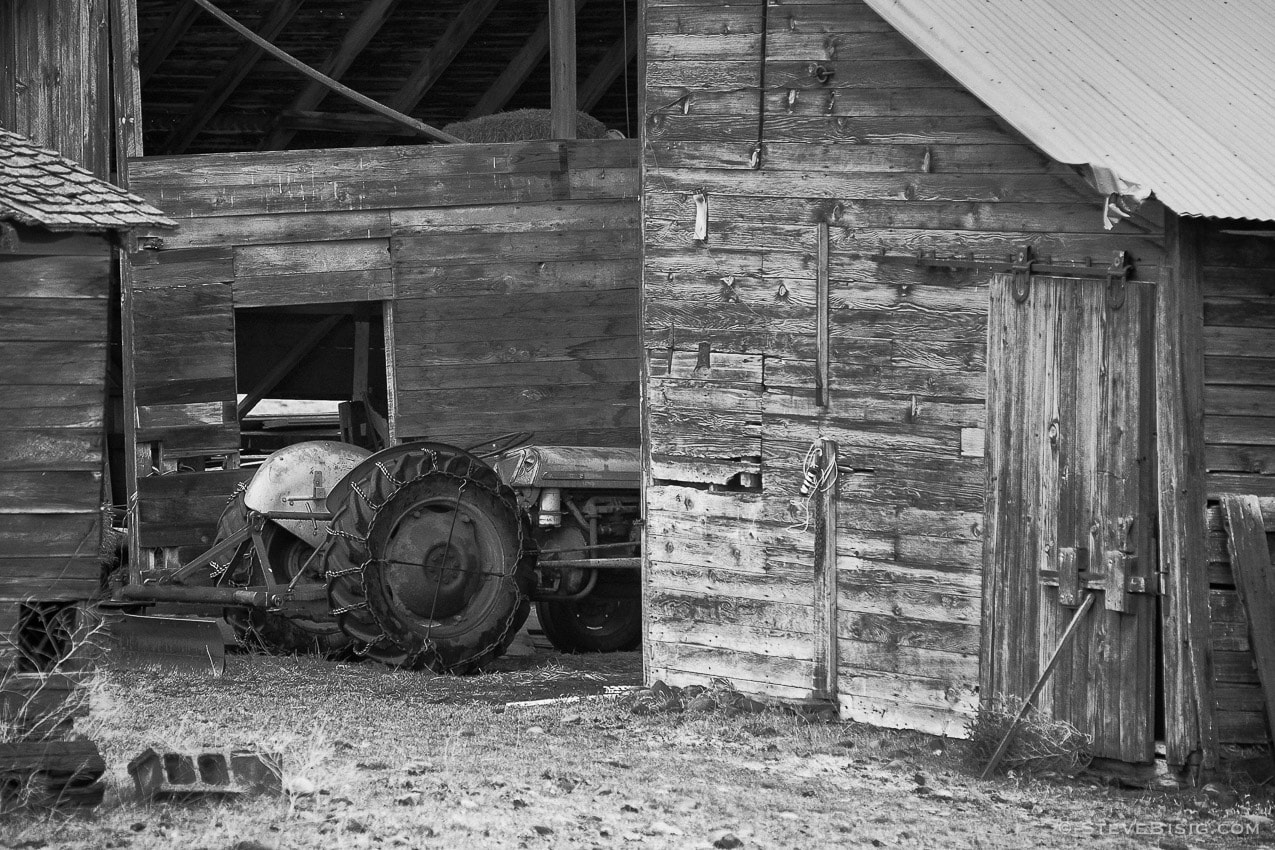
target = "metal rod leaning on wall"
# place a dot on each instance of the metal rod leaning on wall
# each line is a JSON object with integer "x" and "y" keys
{"x": 319, "y": 77}
{"x": 995, "y": 760}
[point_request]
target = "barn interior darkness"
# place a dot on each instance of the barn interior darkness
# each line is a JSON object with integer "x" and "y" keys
{"x": 343, "y": 364}
{"x": 207, "y": 89}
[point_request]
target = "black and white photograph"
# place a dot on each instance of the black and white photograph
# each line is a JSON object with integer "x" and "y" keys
{"x": 640, "y": 424}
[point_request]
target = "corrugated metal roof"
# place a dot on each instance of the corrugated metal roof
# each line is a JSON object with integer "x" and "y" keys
{"x": 1177, "y": 96}
{"x": 42, "y": 187}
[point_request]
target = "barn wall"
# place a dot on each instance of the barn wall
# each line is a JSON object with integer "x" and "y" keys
{"x": 512, "y": 269}
{"x": 54, "y": 77}
{"x": 518, "y": 312}
{"x": 861, "y": 131}
{"x": 53, "y": 349}
{"x": 1238, "y": 286}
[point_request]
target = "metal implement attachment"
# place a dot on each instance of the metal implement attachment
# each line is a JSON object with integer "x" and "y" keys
{"x": 182, "y": 643}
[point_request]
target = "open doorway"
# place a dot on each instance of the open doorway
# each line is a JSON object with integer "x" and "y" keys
{"x": 311, "y": 372}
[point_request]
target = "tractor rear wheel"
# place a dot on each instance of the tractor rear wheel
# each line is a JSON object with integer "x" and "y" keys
{"x": 591, "y": 624}
{"x": 288, "y": 556}
{"x": 428, "y": 561}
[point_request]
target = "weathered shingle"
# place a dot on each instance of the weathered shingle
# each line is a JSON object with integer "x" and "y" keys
{"x": 41, "y": 187}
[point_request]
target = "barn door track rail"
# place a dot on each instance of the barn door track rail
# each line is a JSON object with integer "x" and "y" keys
{"x": 1022, "y": 266}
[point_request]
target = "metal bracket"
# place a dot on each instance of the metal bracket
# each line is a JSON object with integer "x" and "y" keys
{"x": 1020, "y": 288}
{"x": 1117, "y": 276}
{"x": 1073, "y": 577}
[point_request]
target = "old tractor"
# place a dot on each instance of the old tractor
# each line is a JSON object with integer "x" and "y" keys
{"x": 422, "y": 555}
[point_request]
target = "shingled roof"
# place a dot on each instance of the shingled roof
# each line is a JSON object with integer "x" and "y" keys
{"x": 41, "y": 187}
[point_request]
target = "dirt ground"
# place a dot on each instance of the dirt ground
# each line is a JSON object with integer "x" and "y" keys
{"x": 376, "y": 758}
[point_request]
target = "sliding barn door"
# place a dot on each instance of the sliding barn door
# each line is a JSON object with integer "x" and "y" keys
{"x": 1070, "y": 503}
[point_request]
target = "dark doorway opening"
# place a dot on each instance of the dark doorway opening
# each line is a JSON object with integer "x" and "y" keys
{"x": 311, "y": 372}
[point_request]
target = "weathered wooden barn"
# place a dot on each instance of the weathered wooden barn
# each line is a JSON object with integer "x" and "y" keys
{"x": 452, "y": 292}
{"x": 954, "y": 314}
{"x": 58, "y": 232}
{"x": 907, "y": 399}
{"x": 455, "y": 292}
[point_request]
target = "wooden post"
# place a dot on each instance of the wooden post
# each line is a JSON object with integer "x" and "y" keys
{"x": 127, "y": 114}
{"x": 1190, "y": 726}
{"x": 562, "y": 65}
{"x": 824, "y": 510}
{"x": 823, "y": 348}
{"x": 362, "y": 346}
{"x": 391, "y": 374}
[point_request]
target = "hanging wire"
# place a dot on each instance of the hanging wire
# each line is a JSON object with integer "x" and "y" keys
{"x": 816, "y": 478}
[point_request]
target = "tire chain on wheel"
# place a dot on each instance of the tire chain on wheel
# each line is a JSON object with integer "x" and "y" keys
{"x": 346, "y": 557}
{"x": 270, "y": 631}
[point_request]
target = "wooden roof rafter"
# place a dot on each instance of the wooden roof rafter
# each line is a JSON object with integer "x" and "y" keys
{"x": 609, "y": 67}
{"x": 519, "y": 68}
{"x": 223, "y": 87}
{"x": 175, "y": 26}
{"x": 369, "y": 23}
{"x": 318, "y": 76}
{"x": 437, "y": 59}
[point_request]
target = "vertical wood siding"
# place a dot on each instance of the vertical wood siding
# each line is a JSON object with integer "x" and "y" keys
{"x": 54, "y": 82}
{"x": 859, "y": 130}
{"x": 52, "y": 372}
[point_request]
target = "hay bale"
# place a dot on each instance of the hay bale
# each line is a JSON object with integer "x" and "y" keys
{"x": 521, "y": 125}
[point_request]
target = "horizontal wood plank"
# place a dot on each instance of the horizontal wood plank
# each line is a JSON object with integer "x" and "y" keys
{"x": 56, "y": 277}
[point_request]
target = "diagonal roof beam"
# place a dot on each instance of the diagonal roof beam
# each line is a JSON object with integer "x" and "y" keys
{"x": 516, "y": 72}
{"x": 158, "y": 47}
{"x": 437, "y": 59}
{"x": 609, "y": 67}
{"x": 360, "y": 34}
{"x": 339, "y": 88}
{"x": 220, "y": 90}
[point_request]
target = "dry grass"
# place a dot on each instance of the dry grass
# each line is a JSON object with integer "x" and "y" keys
{"x": 42, "y": 705}
{"x": 411, "y": 760}
{"x": 1040, "y": 744}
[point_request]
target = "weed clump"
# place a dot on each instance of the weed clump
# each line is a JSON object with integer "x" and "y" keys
{"x": 1041, "y": 744}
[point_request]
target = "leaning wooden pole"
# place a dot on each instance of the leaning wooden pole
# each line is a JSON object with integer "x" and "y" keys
{"x": 319, "y": 77}
{"x": 995, "y": 760}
